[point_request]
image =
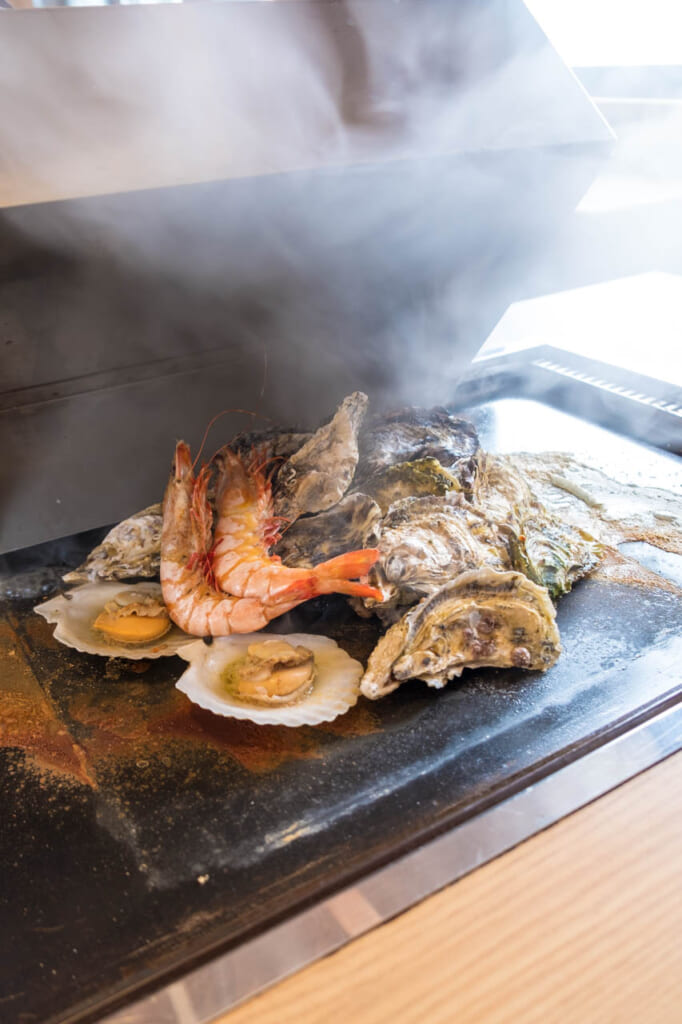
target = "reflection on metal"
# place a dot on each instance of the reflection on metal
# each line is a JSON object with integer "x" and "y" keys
{"x": 238, "y": 975}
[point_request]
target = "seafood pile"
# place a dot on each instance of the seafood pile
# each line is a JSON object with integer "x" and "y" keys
{"x": 404, "y": 514}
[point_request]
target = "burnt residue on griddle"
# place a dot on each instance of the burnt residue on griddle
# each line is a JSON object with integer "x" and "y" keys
{"x": 122, "y": 712}
{"x": 120, "y": 726}
{"x": 29, "y": 725}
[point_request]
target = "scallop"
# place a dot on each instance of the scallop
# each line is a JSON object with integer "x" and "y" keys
{"x": 209, "y": 680}
{"x": 74, "y": 614}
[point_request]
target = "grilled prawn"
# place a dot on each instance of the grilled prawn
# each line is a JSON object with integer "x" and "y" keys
{"x": 245, "y": 531}
{"x": 193, "y": 602}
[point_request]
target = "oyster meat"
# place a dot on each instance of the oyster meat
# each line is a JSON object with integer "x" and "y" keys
{"x": 410, "y": 479}
{"x": 483, "y": 618}
{"x": 320, "y": 472}
{"x": 130, "y": 549}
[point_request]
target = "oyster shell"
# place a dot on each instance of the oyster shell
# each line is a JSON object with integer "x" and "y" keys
{"x": 130, "y": 549}
{"x": 408, "y": 480}
{"x": 320, "y": 472}
{"x": 549, "y": 551}
{"x": 274, "y": 446}
{"x": 207, "y": 680}
{"x": 411, "y": 434}
{"x": 483, "y": 618}
{"x": 426, "y": 542}
{"x": 313, "y": 539}
{"x": 74, "y": 614}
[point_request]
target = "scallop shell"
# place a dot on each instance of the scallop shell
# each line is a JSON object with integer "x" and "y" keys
{"x": 336, "y": 687}
{"x": 75, "y": 612}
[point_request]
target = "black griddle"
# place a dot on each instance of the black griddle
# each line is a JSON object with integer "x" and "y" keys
{"x": 167, "y": 834}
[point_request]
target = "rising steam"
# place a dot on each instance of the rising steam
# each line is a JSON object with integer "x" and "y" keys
{"x": 376, "y": 177}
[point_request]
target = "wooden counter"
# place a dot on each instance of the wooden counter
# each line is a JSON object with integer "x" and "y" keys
{"x": 581, "y": 923}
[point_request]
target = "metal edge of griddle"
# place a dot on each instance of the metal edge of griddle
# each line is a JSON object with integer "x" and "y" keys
{"x": 232, "y": 978}
{"x": 630, "y": 403}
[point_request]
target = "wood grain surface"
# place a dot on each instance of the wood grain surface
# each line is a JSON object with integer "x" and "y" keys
{"x": 581, "y": 923}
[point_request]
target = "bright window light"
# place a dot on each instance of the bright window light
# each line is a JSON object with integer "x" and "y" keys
{"x": 612, "y": 33}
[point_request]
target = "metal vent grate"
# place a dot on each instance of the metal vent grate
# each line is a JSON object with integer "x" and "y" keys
{"x": 664, "y": 405}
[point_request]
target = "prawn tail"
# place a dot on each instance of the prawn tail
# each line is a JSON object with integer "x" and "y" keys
{"x": 350, "y": 588}
{"x": 336, "y": 576}
{"x": 348, "y": 566}
{"x": 314, "y": 586}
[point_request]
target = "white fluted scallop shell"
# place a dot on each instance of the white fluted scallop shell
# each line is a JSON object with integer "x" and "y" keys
{"x": 335, "y": 690}
{"x": 74, "y": 614}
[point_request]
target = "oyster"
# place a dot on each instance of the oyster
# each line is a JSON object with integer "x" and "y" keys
{"x": 76, "y": 613}
{"x": 313, "y": 539}
{"x": 130, "y": 549}
{"x": 426, "y": 542}
{"x": 483, "y": 618}
{"x": 274, "y": 446}
{"x": 411, "y": 434}
{"x": 554, "y": 554}
{"x": 320, "y": 472}
{"x": 410, "y": 479}
{"x": 549, "y": 551}
{"x": 211, "y": 680}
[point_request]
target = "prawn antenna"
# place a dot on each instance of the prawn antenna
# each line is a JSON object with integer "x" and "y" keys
{"x": 223, "y": 412}
{"x": 258, "y": 464}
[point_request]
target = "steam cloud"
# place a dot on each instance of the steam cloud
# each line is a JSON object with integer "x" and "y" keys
{"x": 373, "y": 177}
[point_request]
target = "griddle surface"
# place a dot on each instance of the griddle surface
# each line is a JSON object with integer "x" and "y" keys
{"x": 140, "y": 834}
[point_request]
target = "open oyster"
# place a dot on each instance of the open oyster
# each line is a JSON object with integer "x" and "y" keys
{"x": 130, "y": 549}
{"x": 483, "y": 618}
{"x": 239, "y": 677}
{"x": 109, "y": 618}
